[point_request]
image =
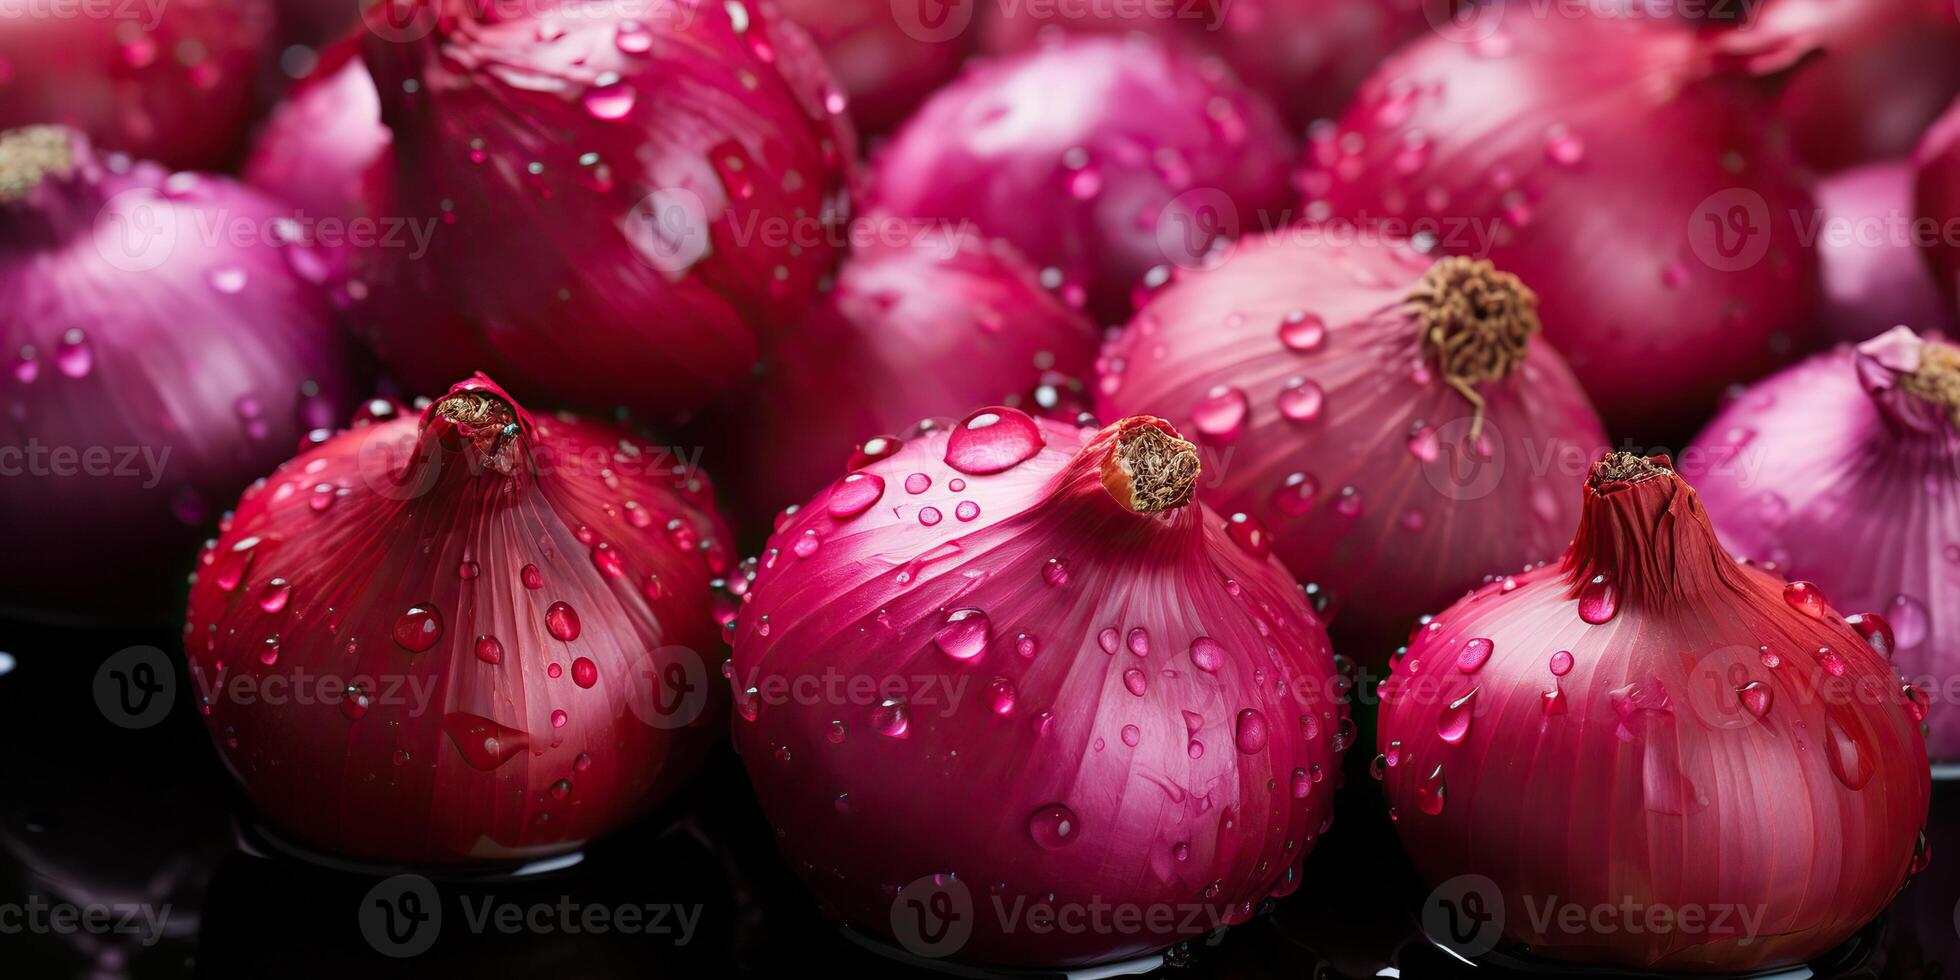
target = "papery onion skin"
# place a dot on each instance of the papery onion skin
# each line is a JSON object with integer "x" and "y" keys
{"x": 171, "y": 82}
{"x": 622, "y": 200}
{"x": 1936, "y": 198}
{"x": 1840, "y": 476}
{"x": 1618, "y": 211}
{"x": 476, "y": 520}
{"x": 928, "y": 321}
{"x": 1886, "y": 70}
{"x": 1191, "y": 771}
{"x": 1099, "y": 158}
{"x": 1308, "y": 56}
{"x": 887, "y": 63}
{"x": 174, "y": 367}
{"x": 1657, "y": 775}
{"x": 1354, "y": 450}
{"x": 1873, "y": 275}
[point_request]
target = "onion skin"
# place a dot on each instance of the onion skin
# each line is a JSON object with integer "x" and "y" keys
{"x": 873, "y": 601}
{"x": 1936, "y": 197}
{"x": 1502, "y": 149}
{"x": 429, "y": 515}
{"x": 1657, "y": 784}
{"x": 930, "y": 326}
{"x": 1839, "y": 476}
{"x": 1308, "y": 56}
{"x": 1154, "y": 136}
{"x": 1870, "y": 285}
{"x": 1225, "y": 327}
{"x": 1888, "y": 69}
{"x": 124, "y": 79}
{"x": 193, "y": 363}
{"x": 675, "y": 215}
{"x": 885, "y": 68}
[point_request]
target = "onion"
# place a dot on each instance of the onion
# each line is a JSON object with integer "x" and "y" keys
{"x": 1100, "y": 159}
{"x": 1936, "y": 198}
{"x": 886, "y": 56}
{"x": 474, "y": 637}
{"x": 171, "y": 82}
{"x": 1653, "y": 220}
{"x": 924, "y": 321}
{"x": 1650, "y": 728}
{"x": 1845, "y": 470}
{"x": 1389, "y": 418}
{"x": 1888, "y": 68}
{"x": 1308, "y": 56}
{"x": 1010, "y": 663}
{"x": 1872, "y": 273}
{"x": 164, "y": 345}
{"x": 616, "y": 198}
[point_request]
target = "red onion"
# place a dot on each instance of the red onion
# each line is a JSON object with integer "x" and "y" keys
{"x": 477, "y": 636}
{"x": 1652, "y": 729}
{"x": 1872, "y": 273}
{"x": 1100, "y": 159}
{"x": 1011, "y": 664}
{"x": 1654, "y": 222}
{"x": 1308, "y": 56}
{"x": 1888, "y": 68}
{"x": 924, "y": 321}
{"x": 1389, "y": 418}
{"x": 164, "y": 345}
{"x": 171, "y": 82}
{"x": 622, "y": 196}
{"x": 1845, "y": 470}
{"x": 1936, "y": 198}
{"x": 887, "y": 56}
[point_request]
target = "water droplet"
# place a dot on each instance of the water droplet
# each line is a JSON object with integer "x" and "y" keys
{"x": 1109, "y": 639}
{"x": 489, "y": 650}
{"x": 1425, "y": 445}
{"x": 1220, "y": 417}
{"x": 1832, "y": 662}
{"x": 1807, "y": 598}
{"x": 1554, "y": 700}
{"x": 1301, "y": 400}
{"x": 806, "y": 544}
{"x": 1877, "y": 632}
{"x": 607, "y": 561}
{"x": 1134, "y": 680}
{"x": 889, "y": 718}
{"x": 1849, "y": 761}
{"x": 269, "y": 651}
{"x": 419, "y": 628}
{"x": 1453, "y": 722}
{"x": 1917, "y": 701}
{"x": 967, "y": 510}
{"x": 1561, "y": 663}
{"x": 992, "y": 440}
{"x": 467, "y": 570}
{"x": 1207, "y": 654}
{"x": 1296, "y": 494}
{"x": 854, "y": 494}
{"x": 483, "y": 743}
{"x": 1430, "y": 792}
{"x": 1302, "y": 331}
{"x": 930, "y": 516}
{"x": 562, "y": 621}
{"x": 355, "y": 702}
{"x": 1563, "y": 147}
{"x": 1474, "y": 654}
{"x": 1250, "y": 734}
{"x": 633, "y": 37}
{"x": 533, "y": 579}
{"x": 74, "y": 357}
{"x": 1055, "y": 572}
{"x": 1246, "y": 531}
{"x": 1000, "y": 695}
{"x": 584, "y": 672}
{"x": 273, "y": 596}
{"x": 1755, "y": 696}
{"x": 1909, "y": 620}
{"x": 1599, "y": 599}
{"x": 1139, "y": 642}
{"x": 964, "y": 635}
{"x": 1053, "y": 826}
{"x": 610, "y": 98}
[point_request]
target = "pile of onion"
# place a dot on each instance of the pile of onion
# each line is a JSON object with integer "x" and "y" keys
{"x": 1652, "y": 728}
{"x": 1308, "y": 56}
{"x": 1936, "y": 200}
{"x": 1624, "y": 168}
{"x": 171, "y": 82}
{"x": 886, "y": 56}
{"x": 473, "y": 636}
{"x": 1012, "y": 663}
{"x": 1868, "y": 254}
{"x": 1845, "y": 470}
{"x": 1100, "y": 159}
{"x": 922, "y": 322}
{"x": 603, "y": 204}
{"x": 1886, "y": 71}
{"x": 165, "y": 343}
{"x": 1388, "y": 421}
